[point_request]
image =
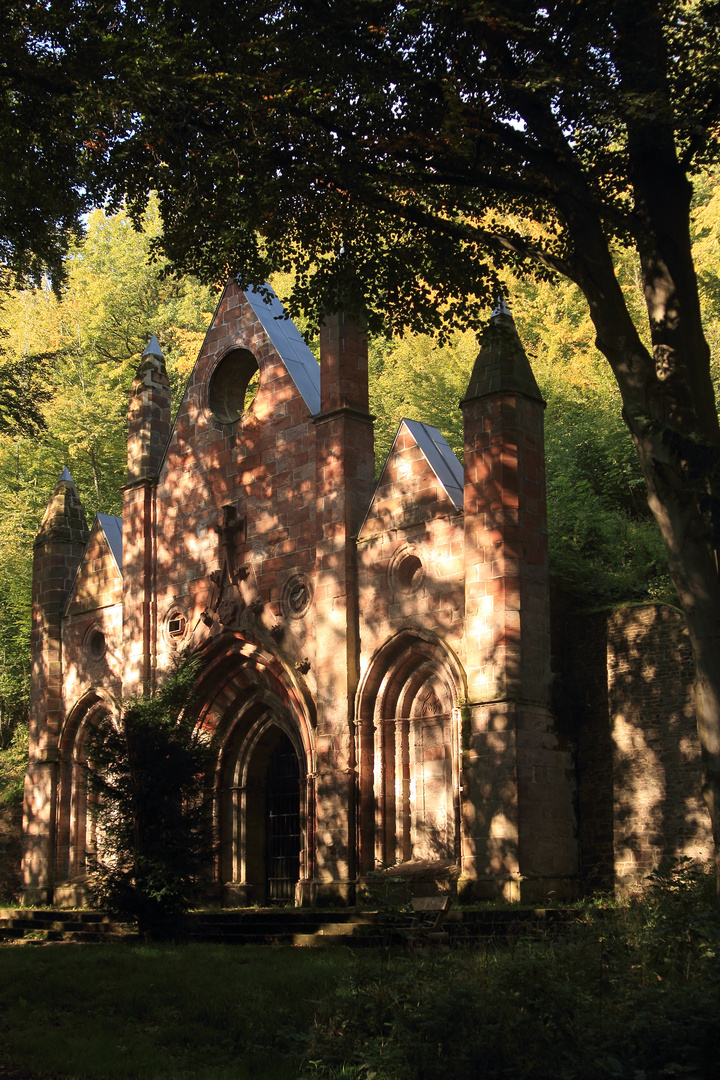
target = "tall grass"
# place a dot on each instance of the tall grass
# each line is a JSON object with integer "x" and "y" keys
{"x": 631, "y": 993}
{"x": 626, "y": 994}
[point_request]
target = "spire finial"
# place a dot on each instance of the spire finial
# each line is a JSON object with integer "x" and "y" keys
{"x": 502, "y": 307}
{"x": 65, "y": 476}
{"x": 153, "y": 348}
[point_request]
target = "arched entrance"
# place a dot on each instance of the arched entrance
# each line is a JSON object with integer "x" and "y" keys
{"x": 76, "y": 836}
{"x": 277, "y": 814}
{"x": 263, "y": 811}
{"x": 264, "y": 786}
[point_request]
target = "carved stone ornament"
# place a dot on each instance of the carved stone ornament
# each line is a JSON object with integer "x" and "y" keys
{"x": 297, "y": 596}
{"x": 227, "y": 610}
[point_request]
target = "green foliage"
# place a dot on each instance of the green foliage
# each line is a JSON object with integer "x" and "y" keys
{"x": 66, "y": 370}
{"x": 414, "y": 377}
{"x": 152, "y": 820}
{"x": 23, "y": 390}
{"x": 616, "y": 997}
{"x": 13, "y": 763}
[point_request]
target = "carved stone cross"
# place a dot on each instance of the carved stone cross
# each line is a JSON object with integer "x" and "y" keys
{"x": 227, "y": 532}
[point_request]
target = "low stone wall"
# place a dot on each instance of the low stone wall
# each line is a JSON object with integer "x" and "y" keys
{"x": 10, "y": 852}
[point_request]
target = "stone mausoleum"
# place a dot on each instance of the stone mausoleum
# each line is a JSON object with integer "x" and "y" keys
{"x": 384, "y": 680}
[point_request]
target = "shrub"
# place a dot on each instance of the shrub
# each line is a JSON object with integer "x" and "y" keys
{"x": 153, "y": 827}
{"x": 626, "y": 994}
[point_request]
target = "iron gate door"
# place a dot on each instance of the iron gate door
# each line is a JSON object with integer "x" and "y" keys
{"x": 282, "y": 860}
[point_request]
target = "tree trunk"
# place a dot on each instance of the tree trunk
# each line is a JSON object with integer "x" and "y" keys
{"x": 669, "y": 407}
{"x": 693, "y": 567}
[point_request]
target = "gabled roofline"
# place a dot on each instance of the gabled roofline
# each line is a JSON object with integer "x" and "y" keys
{"x": 439, "y": 456}
{"x": 102, "y": 520}
{"x": 290, "y": 347}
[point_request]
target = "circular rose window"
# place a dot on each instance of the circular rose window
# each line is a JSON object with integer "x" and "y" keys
{"x": 233, "y": 386}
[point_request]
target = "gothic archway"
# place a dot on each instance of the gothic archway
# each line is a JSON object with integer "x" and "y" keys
{"x": 408, "y": 733}
{"x": 74, "y": 823}
{"x": 261, "y": 724}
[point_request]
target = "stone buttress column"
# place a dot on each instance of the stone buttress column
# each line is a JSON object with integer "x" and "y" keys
{"x": 57, "y": 553}
{"x": 517, "y": 814}
{"x": 148, "y": 434}
{"x": 344, "y": 487}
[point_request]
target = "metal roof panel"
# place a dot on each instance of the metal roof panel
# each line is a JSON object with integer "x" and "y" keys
{"x": 302, "y": 366}
{"x": 440, "y": 457}
{"x": 112, "y": 527}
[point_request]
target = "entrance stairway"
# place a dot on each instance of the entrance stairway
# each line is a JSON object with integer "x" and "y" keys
{"x": 283, "y": 926}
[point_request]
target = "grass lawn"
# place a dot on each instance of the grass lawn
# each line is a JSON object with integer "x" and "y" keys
{"x": 157, "y": 1011}
{"x": 626, "y": 994}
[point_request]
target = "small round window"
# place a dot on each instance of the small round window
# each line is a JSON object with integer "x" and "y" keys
{"x": 406, "y": 571}
{"x": 96, "y": 644}
{"x": 233, "y": 386}
{"x": 175, "y": 627}
{"x": 297, "y": 596}
{"x": 409, "y": 572}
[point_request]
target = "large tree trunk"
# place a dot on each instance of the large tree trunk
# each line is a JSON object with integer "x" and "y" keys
{"x": 693, "y": 567}
{"x": 669, "y": 407}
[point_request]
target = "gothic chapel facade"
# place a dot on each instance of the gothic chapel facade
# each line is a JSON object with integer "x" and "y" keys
{"x": 376, "y": 675}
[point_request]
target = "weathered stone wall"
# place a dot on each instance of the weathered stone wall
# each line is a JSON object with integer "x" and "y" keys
{"x": 410, "y": 553}
{"x": 638, "y": 756}
{"x": 263, "y": 467}
{"x": 10, "y": 852}
{"x": 92, "y": 626}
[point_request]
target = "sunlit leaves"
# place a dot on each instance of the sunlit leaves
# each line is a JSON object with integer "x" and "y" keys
{"x": 64, "y": 379}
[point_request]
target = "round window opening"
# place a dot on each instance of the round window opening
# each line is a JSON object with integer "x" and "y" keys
{"x": 409, "y": 572}
{"x": 96, "y": 644}
{"x": 233, "y": 386}
{"x": 176, "y": 626}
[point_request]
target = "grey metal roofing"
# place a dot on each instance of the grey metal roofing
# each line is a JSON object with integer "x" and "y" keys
{"x": 153, "y": 348}
{"x": 65, "y": 475}
{"x": 440, "y": 457}
{"x": 285, "y": 336}
{"x": 112, "y": 527}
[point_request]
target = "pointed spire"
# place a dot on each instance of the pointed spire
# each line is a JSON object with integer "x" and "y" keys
{"x": 64, "y": 517}
{"x": 153, "y": 348}
{"x": 148, "y": 414}
{"x": 502, "y": 366}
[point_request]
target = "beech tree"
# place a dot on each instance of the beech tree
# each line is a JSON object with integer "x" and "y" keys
{"x": 436, "y": 145}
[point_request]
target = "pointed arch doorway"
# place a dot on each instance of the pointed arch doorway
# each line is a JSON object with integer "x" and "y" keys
{"x": 263, "y": 811}
{"x": 264, "y": 782}
{"x": 273, "y": 817}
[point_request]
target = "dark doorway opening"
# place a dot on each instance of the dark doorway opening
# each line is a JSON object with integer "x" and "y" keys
{"x": 282, "y": 817}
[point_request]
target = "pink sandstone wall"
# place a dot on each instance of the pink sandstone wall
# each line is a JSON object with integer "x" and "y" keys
{"x": 638, "y": 756}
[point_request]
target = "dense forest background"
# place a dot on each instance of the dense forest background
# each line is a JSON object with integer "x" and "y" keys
{"x": 66, "y": 364}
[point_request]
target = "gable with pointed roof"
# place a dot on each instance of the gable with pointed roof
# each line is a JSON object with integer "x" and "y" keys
{"x": 98, "y": 582}
{"x": 421, "y": 479}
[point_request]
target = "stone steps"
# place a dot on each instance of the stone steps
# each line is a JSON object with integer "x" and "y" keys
{"x": 292, "y": 926}
{"x": 57, "y": 924}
